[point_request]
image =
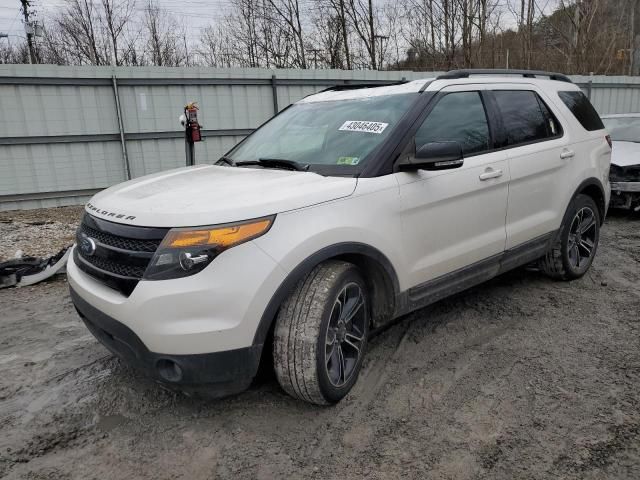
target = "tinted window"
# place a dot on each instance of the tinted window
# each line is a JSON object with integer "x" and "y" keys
{"x": 582, "y": 109}
{"x": 458, "y": 117}
{"x": 553, "y": 125}
{"x": 525, "y": 117}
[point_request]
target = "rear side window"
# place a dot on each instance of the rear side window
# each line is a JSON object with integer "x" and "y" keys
{"x": 582, "y": 109}
{"x": 525, "y": 117}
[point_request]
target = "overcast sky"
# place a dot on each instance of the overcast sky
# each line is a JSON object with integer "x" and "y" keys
{"x": 195, "y": 13}
{"x": 198, "y": 13}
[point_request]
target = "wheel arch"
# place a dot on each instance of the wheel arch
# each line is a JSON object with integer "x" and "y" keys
{"x": 593, "y": 188}
{"x": 378, "y": 272}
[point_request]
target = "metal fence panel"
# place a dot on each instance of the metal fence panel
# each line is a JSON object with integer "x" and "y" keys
{"x": 619, "y": 94}
{"x": 59, "y": 167}
{"x": 60, "y": 139}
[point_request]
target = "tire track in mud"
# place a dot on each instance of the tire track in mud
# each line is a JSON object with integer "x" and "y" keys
{"x": 371, "y": 379}
{"x": 53, "y": 415}
{"x": 391, "y": 364}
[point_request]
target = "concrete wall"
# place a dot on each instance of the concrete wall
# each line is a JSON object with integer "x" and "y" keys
{"x": 60, "y": 139}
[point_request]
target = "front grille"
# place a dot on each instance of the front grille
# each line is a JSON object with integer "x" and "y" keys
{"x": 120, "y": 242}
{"x": 122, "y": 252}
{"x": 119, "y": 269}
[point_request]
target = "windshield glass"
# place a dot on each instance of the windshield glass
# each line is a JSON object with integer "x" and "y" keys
{"x": 341, "y": 133}
{"x": 623, "y": 129}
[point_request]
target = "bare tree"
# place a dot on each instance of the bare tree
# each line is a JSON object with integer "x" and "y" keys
{"x": 327, "y": 37}
{"x": 116, "y": 16}
{"x": 163, "y": 37}
{"x": 361, "y": 18}
{"x": 78, "y": 27}
{"x": 287, "y": 12}
{"x": 212, "y": 48}
{"x": 573, "y": 36}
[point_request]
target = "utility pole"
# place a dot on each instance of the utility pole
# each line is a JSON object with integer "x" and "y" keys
{"x": 29, "y": 30}
{"x": 345, "y": 35}
{"x": 227, "y": 56}
{"x": 631, "y": 35}
{"x": 373, "y": 36}
{"x": 634, "y": 41}
{"x": 381, "y": 37}
{"x": 315, "y": 56}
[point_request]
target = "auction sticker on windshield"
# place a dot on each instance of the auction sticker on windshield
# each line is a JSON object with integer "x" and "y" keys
{"x": 363, "y": 126}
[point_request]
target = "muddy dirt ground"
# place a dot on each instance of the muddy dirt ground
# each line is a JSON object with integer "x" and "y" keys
{"x": 519, "y": 378}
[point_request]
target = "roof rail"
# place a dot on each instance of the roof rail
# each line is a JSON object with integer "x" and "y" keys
{"x": 466, "y": 73}
{"x": 355, "y": 86}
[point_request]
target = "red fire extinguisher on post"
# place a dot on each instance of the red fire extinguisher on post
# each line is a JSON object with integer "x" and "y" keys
{"x": 189, "y": 121}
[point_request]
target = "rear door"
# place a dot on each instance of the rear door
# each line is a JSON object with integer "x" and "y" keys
{"x": 539, "y": 161}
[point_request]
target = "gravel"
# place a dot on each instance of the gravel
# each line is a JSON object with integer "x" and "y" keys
{"x": 37, "y": 233}
{"x": 521, "y": 377}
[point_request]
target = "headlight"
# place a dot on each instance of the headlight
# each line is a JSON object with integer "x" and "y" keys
{"x": 185, "y": 251}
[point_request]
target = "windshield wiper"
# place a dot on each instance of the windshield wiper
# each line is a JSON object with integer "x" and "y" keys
{"x": 227, "y": 160}
{"x": 277, "y": 163}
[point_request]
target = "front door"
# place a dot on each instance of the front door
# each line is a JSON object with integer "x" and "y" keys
{"x": 452, "y": 219}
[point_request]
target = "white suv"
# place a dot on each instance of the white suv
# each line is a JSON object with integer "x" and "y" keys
{"x": 350, "y": 208}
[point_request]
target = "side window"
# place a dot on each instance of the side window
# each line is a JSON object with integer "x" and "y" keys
{"x": 458, "y": 117}
{"x": 525, "y": 117}
{"x": 553, "y": 125}
{"x": 582, "y": 109}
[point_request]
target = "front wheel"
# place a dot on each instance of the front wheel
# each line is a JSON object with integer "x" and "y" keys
{"x": 321, "y": 332}
{"x": 575, "y": 249}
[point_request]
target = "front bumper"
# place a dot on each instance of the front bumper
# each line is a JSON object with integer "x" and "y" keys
{"x": 197, "y": 330}
{"x": 625, "y": 195}
{"x": 630, "y": 187}
{"x": 217, "y": 374}
{"x": 215, "y": 310}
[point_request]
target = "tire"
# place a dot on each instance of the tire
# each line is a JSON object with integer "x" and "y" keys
{"x": 574, "y": 250}
{"x": 312, "y": 331}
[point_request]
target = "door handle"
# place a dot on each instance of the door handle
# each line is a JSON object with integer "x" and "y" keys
{"x": 490, "y": 173}
{"x": 567, "y": 154}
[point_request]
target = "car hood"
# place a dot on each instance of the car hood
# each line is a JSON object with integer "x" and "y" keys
{"x": 207, "y": 195}
{"x": 625, "y": 154}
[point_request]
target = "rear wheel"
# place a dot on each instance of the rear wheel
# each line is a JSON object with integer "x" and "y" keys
{"x": 321, "y": 332}
{"x": 575, "y": 249}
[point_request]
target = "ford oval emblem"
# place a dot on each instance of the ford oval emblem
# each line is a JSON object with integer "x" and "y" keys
{"x": 87, "y": 245}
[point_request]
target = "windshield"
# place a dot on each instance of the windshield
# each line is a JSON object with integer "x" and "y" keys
{"x": 341, "y": 133}
{"x": 623, "y": 129}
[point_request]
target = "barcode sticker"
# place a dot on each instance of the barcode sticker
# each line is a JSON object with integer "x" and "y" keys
{"x": 363, "y": 126}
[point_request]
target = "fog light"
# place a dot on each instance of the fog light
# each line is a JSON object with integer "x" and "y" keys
{"x": 169, "y": 370}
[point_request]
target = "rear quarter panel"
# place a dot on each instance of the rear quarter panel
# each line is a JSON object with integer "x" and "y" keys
{"x": 593, "y": 154}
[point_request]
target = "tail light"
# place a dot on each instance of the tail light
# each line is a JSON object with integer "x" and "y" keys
{"x": 608, "y": 139}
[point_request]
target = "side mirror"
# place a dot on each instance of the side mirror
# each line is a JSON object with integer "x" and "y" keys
{"x": 434, "y": 156}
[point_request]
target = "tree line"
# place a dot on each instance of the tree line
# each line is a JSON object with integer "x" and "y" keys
{"x": 576, "y": 36}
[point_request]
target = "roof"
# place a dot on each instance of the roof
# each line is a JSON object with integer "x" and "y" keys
{"x": 466, "y": 73}
{"x": 546, "y": 80}
{"x": 366, "y": 92}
